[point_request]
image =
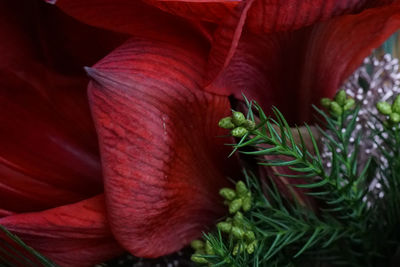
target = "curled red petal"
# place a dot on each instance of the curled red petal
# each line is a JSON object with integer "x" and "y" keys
{"x": 207, "y": 10}
{"x": 47, "y": 157}
{"x": 71, "y": 235}
{"x": 226, "y": 40}
{"x": 163, "y": 161}
{"x": 127, "y": 16}
{"x": 295, "y": 69}
{"x": 339, "y": 46}
{"x": 48, "y": 148}
{"x": 4, "y": 213}
{"x": 40, "y": 32}
{"x": 266, "y": 16}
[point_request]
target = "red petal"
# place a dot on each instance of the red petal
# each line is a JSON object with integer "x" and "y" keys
{"x": 127, "y": 16}
{"x": 207, "y": 10}
{"x": 4, "y": 213}
{"x": 41, "y": 32}
{"x": 273, "y": 16}
{"x": 265, "y": 16}
{"x": 72, "y": 235}
{"x": 294, "y": 69}
{"x": 163, "y": 163}
{"x": 48, "y": 150}
{"x": 48, "y": 147}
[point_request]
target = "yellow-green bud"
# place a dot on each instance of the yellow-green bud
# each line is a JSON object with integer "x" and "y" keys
{"x": 235, "y": 205}
{"x": 341, "y": 97}
{"x": 394, "y": 117}
{"x": 197, "y": 244}
{"x": 325, "y": 102}
{"x": 198, "y": 259}
{"x": 335, "y": 108}
{"x": 209, "y": 249}
{"x": 396, "y": 104}
{"x": 249, "y": 125}
{"x": 349, "y": 103}
{"x": 238, "y": 248}
{"x": 238, "y": 218}
{"x": 239, "y": 132}
{"x": 384, "y": 108}
{"x": 241, "y": 188}
{"x": 227, "y": 193}
{"x": 225, "y": 227}
{"x": 237, "y": 232}
{"x": 246, "y": 205}
{"x": 238, "y": 118}
{"x": 251, "y": 247}
{"x": 250, "y": 236}
{"x": 226, "y": 123}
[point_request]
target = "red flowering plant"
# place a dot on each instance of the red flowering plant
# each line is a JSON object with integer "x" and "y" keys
{"x": 155, "y": 101}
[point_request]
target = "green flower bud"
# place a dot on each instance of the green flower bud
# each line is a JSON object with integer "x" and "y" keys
{"x": 251, "y": 247}
{"x": 349, "y": 103}
{"x": 384, "y": 108}
{"x": 325, "y": 102}
{"x": 227, "y": 193}
{"x": 249, "y": 125}
{"x": 250, "y": 236}
{"x": 225, "y": 227}
{"x": 239, "y": 132}
{"x": 237, "y": 232}
{"x": 238, "y": 218}
{"x": 238, "y": 248}
{"x": 241, "y": 188}
{"x": 226, "y": 123}
{"x": 209, "y": 249}
{"x": 197, "y": 244}
{"x": 235, "y": 205}
{"x": 246, "y": 206}
{"x": 341, "y": 97}
{"x": 335, "y": 108}
{"x": 396, "y": 104}
{"x": 198, "y": 259}
{"x": 238, "y": 118}
{"x": 394, "y": 117}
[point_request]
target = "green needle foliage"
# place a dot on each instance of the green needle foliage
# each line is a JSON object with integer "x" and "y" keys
{"x": 348, "y": 226}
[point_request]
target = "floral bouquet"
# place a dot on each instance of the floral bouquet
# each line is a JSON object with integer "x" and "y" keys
{"x": 214, "y": 133}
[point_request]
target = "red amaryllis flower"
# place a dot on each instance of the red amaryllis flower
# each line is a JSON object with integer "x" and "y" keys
{"x": 51, "y": 188}
{"x": 155, "y": 101}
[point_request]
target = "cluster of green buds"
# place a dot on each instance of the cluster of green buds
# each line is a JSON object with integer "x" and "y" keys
{"x": 201, "y": 248}
{"x": 237, "y": 199}
{"x": 392, "y": 111}
{"x": 236, "y": 226}
{"x": 340, "y": 103}
{"x": 237, "y": 123}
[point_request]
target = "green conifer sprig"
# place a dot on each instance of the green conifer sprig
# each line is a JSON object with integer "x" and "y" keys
{"x": 350, "y": 226}
{"x": 344, "y": 183}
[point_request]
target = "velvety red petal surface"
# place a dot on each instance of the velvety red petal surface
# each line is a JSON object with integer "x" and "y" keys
{"x": 48, "y": 147}
{"x": 127, "y": 16}
{"x": 282, "y": 15}
{"x": 163, "y": 161}
{"x": 207, "y": 10}
{"x": 71, "y": 235}
{"x": 294, "y": 69}
{"x": 41, "y": 32}
{"x": 46, "y": 159}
